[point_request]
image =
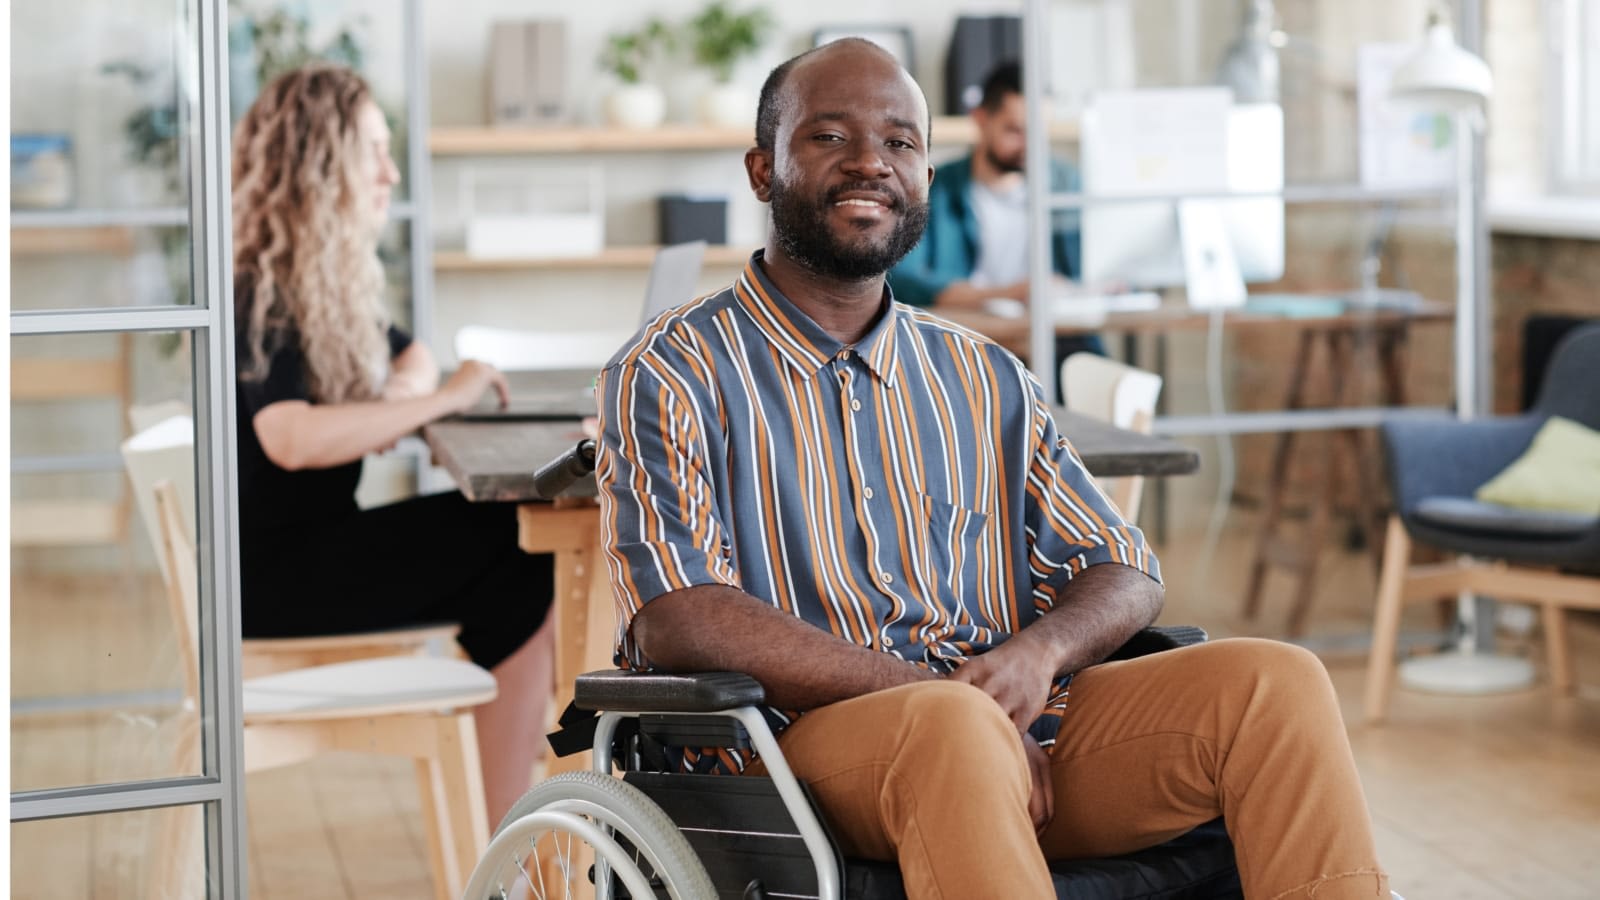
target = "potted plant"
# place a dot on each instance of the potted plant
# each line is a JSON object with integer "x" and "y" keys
{"x": 718, "y": 39}
{"x": 636, "y": 103}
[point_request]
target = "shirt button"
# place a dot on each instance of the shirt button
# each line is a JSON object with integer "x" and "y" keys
{"x": 867, "y": 493}
{"x": 888, "y": 642}
{"x": 855, "y": 405}
{"x": 886, "y": 578}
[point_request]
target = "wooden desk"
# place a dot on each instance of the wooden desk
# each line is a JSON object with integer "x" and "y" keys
{"x": 1382, "y": 331}
{"x": 1013, "y": 333}
{"x": 495, "y": 461}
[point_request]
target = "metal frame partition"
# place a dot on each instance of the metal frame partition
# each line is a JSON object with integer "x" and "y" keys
{"x": 1474, "y": 363}
{"x": 203, "y": 87}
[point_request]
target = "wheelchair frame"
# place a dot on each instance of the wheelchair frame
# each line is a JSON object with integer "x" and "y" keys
{"x": 615, "y": 697}
{"x": 766, "y": 744}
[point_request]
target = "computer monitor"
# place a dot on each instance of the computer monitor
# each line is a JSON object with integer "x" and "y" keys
{"x": 1191, "y": 141}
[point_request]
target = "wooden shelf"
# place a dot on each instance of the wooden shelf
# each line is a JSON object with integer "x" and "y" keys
{"x": 36, "y": 241}
{"x": 611, "y": 258}
{"x": 487, "y": 141}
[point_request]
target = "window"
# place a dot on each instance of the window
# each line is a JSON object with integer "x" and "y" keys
{"x": 1573, "y": 27}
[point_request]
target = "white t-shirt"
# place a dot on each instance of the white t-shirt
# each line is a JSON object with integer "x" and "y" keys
{"x": 1002, "y": 235}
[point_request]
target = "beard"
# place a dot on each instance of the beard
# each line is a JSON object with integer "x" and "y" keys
{"x": 803, "y": 232}
{"x": 1003, "y": 164}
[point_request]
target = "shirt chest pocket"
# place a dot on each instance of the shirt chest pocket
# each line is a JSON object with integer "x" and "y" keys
{"x": 956, "y": 539}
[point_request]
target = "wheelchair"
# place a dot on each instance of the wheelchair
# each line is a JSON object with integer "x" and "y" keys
{"x": 657, "y": 834}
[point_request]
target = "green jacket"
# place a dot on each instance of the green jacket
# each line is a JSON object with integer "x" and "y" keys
{"x": 948, "y": 250}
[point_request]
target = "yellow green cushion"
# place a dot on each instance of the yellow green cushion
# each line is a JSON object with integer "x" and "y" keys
{"x": 1559, "y": 471}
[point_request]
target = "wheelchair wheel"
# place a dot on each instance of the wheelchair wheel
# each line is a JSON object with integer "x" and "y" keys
{"x": 544, "y": 846}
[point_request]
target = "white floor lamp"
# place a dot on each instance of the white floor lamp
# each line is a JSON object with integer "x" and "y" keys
{"x": 1443, "y": 77}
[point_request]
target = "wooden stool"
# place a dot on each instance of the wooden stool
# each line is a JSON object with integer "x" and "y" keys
{"x": 1346, "y": 446}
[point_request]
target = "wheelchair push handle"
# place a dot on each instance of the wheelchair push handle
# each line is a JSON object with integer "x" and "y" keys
{"x": 564, "y": 471}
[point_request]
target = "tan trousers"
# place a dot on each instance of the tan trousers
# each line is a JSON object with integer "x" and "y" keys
{"x": 933, "y": 774}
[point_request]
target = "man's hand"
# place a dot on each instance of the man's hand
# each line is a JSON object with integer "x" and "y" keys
{"x": 1017, "y": 679}
{"x": 1042, "y": 800}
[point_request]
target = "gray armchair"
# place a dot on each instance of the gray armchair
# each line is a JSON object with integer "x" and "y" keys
{"x": 1544, "y": 558}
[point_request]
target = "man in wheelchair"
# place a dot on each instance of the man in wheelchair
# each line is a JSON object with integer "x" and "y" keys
{"x": 869, "y": 510}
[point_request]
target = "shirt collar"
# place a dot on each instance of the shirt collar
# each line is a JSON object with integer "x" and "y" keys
{"x": 799, "y": 340}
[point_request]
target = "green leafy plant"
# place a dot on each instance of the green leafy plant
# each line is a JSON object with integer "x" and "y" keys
{"x": 719, "y": 37}
{"x": 628, "y": 53}
{"x": 278, "y": 41}
{"x": 282, "y": 43}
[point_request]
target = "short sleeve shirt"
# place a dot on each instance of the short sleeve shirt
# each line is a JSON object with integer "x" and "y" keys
{"x": 908, "y": 493}
{"x": 274, "y": 502}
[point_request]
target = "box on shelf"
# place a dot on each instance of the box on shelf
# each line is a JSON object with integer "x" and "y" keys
{"x": 41, "y": 171}
{"x": 527, "y": 73}
{"x": 977, "y": 45}
{"x": 687, "y": 217}
{"x": 518, "y": 214}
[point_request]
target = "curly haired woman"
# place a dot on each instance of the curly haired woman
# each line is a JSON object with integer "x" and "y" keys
{"x": 324, "y": 380}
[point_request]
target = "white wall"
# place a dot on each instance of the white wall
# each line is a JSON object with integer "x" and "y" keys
{"x": 458, "y": 36}
{"x": 457, "y": 41}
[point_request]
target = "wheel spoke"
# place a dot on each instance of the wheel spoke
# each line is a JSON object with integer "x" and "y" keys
{"x": 525, "y": 879}
{"x": 567, "y": 868}
{"x": 538, "y": 866}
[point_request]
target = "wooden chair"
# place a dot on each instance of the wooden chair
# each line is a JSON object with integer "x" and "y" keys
{"x": 1544, "y": 558}
{"x": 163, "y": 449}
{"x": 1120, "y": 394}
{"x": 413, "y": 707}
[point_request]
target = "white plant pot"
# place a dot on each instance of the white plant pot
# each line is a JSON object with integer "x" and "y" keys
{"x": 636, "y": 106}
{"x": 728, "y": 106}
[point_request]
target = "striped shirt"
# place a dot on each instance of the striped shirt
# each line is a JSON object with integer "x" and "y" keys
{"x": 908, "y": 493}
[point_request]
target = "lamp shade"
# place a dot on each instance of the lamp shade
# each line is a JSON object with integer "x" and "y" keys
{"x": 1441, "y": 75}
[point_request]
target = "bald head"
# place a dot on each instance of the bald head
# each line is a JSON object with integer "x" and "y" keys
{"x": 847, "y": 57}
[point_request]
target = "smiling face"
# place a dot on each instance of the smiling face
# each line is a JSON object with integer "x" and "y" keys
{"x": 376, "y": 173}
{"x": 848, "y": 173}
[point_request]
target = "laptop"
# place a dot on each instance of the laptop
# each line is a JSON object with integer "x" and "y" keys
{"x": 568, "y": 393}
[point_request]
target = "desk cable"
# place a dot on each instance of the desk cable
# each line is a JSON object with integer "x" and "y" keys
{"x": 1225, "y": 457}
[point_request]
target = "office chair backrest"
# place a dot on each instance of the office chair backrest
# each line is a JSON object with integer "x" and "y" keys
{"x": 1117, "y": 393}
{"x": 1572, "y": 383}
{"x": 673, "y": 277}
{"x": 1110, "y": 391}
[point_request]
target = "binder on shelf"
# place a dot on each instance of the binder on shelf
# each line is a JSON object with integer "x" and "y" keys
{"x": 511, "y": 213}
{"x": 977, "y": 46}
{"x": 527, "y": 73}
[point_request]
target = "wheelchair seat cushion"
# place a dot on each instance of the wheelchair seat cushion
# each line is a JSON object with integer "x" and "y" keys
{"x": 1462, "y": 514}
{"x": 1195, "y": 866}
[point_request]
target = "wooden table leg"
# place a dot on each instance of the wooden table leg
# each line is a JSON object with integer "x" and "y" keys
{"x": 584, "y": 623}
{"x": 582, "y": 606}
{"x": 1339, "y": 352}
{"x": 1279, "y": 480}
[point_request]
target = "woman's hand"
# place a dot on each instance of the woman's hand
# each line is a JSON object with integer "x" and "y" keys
{"x": 470, "y": 381}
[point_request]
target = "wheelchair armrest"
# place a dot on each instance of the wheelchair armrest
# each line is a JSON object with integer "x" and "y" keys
{"x": 617, "y": 691}
{"x": 1157, "y": 638}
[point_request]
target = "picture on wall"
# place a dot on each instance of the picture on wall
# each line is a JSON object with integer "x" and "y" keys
{"x": 894, "y": 38}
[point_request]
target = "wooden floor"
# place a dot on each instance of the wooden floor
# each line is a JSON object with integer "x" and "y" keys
{"x": 1471, "y": 797}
